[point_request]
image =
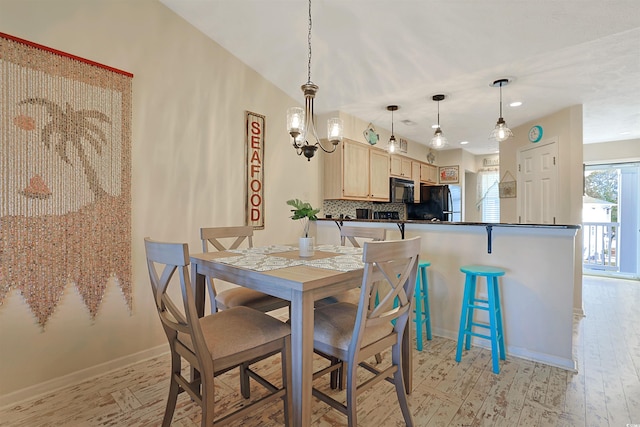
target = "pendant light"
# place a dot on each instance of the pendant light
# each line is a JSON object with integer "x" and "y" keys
{"x": 438, "y": 141}
{"x": 393, "y": 144}
{"x": 301, "y": 123}
{"x": 501, "y": 132}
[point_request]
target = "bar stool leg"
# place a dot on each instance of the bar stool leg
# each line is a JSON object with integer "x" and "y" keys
{"x": 471, "y": 295}
{"x": 499, "y": 317}
{"x": 425, "y": 298}
{"x": 493, "y": 324}
{"x": 463, "y": 317}
{"x": 419, "y": 307}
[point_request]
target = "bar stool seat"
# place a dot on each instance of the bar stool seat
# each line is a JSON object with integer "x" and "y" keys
{"x": 492, "y": 305}
{"x": 422, "y": 312}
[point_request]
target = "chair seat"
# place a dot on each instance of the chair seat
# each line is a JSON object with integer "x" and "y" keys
{"x": 239, "y": 296}
{"x": 333, "y": 328}
{"x": 351, "y": 296}
{"x": 236, "y": 330}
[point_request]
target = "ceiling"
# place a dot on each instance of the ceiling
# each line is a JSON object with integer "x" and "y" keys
{"x": 367, "y": 54}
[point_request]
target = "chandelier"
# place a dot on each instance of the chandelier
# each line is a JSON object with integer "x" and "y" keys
{"x": 301, "y": 123}
{"x": 438, "y": 141}
{"x": 393, "y": 144}
{"x": 501, "y": 132}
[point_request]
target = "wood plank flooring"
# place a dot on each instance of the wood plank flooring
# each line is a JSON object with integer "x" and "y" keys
{"x": 604, "y": 392}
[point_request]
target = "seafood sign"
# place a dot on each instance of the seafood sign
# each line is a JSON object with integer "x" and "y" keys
{"x": 255, "y": 170}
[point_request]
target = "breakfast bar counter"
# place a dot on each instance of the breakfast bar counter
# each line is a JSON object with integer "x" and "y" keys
{"x": 537, "y": 289}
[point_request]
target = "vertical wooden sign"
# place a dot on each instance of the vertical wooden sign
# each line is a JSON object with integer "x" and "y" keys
{"x": 255, "y": 128}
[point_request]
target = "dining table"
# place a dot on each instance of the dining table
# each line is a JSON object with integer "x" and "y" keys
{"x": 279, "y": 270}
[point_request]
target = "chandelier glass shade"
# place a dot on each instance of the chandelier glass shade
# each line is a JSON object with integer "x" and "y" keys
{"x": 501, "y": 132}
{"x": 439, "y": 140}
{"x": 301, "y": 122}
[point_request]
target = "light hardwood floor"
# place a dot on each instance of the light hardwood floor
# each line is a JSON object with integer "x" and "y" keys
{"x": 604, "y": 392}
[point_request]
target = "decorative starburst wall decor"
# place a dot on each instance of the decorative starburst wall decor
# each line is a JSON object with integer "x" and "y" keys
{"x": 65, "y": 177}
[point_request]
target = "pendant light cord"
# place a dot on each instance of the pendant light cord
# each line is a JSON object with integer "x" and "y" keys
{"x": 309, "y": 43}
{"x": 392, "y": 123}
{"x": 500, "y": 99}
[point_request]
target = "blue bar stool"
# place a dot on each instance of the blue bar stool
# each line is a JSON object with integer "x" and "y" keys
{"x": 423, "y": 314}
{"x": 491, "y": 305}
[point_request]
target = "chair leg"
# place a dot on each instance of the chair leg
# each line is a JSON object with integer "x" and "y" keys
{"x": 245, "y": 387}
{"x": 174, "y": 390}
{"x": 352, "y": 414}
{"x": 398, "y": 382}
{"x": 208, "y": 401}
{"x": 335, "y": 375}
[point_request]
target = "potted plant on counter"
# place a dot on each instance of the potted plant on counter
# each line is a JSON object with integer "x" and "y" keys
{"x": 304, "y": 212}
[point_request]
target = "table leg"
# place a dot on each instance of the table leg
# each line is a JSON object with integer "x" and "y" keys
{"x": 198, "y": 285}
{"x": 302, "y": 357}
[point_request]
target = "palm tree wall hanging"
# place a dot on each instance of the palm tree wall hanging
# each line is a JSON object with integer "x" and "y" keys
{"x": 65, "y": 177}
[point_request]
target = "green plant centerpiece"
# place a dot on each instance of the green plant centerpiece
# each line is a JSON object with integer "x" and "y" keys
{"x": 305, "y": 212}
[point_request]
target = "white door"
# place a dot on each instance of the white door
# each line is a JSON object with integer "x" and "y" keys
{"x": 537, "y": 184}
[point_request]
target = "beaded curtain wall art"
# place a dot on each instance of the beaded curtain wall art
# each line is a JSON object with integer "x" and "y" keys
{"x": 65, "y": 177}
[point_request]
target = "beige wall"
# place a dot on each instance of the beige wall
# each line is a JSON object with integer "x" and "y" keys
{"x": 189, "y": 99}
{"x": 612, "y": 152}
{"x": 566, "y": 126}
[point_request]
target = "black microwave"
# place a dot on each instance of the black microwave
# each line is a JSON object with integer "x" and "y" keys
{"x": 400, "y": 190}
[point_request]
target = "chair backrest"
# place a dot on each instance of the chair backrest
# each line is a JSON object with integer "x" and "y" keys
{"x": 395, "y": 263}
{"x": 211, "y": 235}
{"x": 350, "y": 233}
{"x": 179, "y": 320}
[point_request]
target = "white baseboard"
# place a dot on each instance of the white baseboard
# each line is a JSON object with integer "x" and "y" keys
{"x": 49, "y": 386}
{"x": 522, "y": 353}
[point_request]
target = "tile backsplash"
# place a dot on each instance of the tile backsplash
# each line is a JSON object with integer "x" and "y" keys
{"x": 348, "y": 207}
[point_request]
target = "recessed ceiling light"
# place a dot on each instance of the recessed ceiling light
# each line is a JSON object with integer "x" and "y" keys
{"x": 464, "y": 142}
{"x": 434, "y": 126}
{"x": 625, "y": 133}
{"x": 515, "y": 104}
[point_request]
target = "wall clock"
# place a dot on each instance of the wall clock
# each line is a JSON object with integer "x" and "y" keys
{"x": 535, "y": 133}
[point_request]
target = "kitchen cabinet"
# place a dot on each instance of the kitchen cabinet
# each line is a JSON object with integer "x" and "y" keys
{"x": 428, "y": 173}
{"x": 400, "y": 167}
{"x": 356, "y": 171}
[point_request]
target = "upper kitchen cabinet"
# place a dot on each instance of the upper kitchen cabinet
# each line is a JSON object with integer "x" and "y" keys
{"x": 400, "y": 167}
{"x": 428, "y": 173}
{"x": 356, "y": 171}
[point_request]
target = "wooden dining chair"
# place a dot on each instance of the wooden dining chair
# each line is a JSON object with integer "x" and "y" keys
{"x": 352, "y": 233}
{"x": 355, "y": 333}
{"x": 215, "y": 343}
{"x": 225, "y": 238}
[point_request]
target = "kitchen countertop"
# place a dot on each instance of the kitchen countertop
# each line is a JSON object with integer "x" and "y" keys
{"x": 481, "y": 224}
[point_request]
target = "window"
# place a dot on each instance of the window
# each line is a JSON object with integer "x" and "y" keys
{"x": 490, "y": 197}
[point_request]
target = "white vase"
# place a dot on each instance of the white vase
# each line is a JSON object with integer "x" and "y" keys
{"x": 306, "y": 247}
